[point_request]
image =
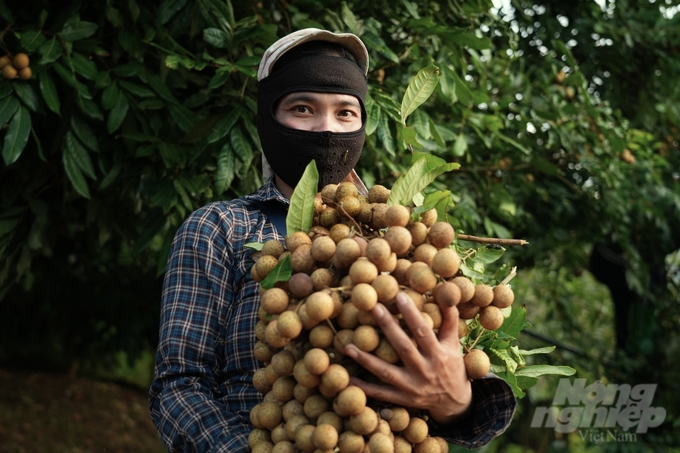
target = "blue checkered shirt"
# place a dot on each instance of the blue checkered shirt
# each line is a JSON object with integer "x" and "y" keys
{"x": 202, "y": 392}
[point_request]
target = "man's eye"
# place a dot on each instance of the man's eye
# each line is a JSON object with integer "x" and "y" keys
{"x": 301, "y": 109}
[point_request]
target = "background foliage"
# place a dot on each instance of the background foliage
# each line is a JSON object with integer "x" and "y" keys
{"x": 564, "y": 118}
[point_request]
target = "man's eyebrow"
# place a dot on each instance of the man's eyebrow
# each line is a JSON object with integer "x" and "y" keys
{"x": 313, "y": 97}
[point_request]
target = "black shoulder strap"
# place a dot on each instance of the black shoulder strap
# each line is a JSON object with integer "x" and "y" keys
{"x": 275, "y": 211}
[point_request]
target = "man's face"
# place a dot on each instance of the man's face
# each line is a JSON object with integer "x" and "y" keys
{"x": 319, "y": 112}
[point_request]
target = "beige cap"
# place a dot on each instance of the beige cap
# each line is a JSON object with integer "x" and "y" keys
{"x": 283, "y": 45}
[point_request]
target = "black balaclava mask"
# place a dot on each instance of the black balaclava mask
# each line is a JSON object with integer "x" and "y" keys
{"x": 288, "y": 150}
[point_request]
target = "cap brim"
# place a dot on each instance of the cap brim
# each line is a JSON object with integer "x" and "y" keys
{"x": 288, "y": 42}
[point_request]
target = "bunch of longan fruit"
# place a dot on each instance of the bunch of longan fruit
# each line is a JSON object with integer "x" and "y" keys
{"x": 18, "y": 65}
{"x": 360, "y": 252}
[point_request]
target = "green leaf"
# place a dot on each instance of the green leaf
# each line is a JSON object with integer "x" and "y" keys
{"x": 216, "y": 37}
{"x": 489, "y": 255}
{"x": 372, "y": 116}
{"x": 435, "y": 133}
{"x": 280, "y": 273}
{"x": 49, "y": 92}
{"x": 27, "y": 94}
{"x": 525, "y": 382}
{"x": 75, "y": 29}
{"x": 463, "y": 93}
{"x": 83, "y": 66}
{"x": 240, "y": 145}
{"x": 6, "y": 13}
{"x": 32, "y": 40}
{"x": 84, "y": 132}
{"x": 419, "y": 90}
{"x": 110, "y": 96}
{"x": 513, "y": 143}
{"x": 183, "y": 195}
{"x": 168, "y": 9}
{"x": 219, "y": 79}
{"x": 225, "y": 169}
{"x": 512, "y": 381}
{"x": 384, "y": 134}
{"x": 17, "y": 135}
{"x": 136, "y": 89}
{"x": 410, "y": 137}
{"x": 69, "y": 77}
{"x": 349, "y": 19}
{"x": 51, "y": 51}
{"x": 182, "y": 116}
{"x": 110, "y": 176}
{"x": 470, "y": 40}
{"x": 8, "y": 106}
{"x": 432, "y": 199}
{"x": 425, "y": 170}
{"x": 75, "y": 175}
{"x": 545, "y": 350}
{"x": 154, "y": 225}
{"x": 117, "y": 114}
{"x": 79, "y": 155}
{"x": 6, "y": 89}
{"x": 460, "y": 145}
{"x": 224, "y": 125}
{"x": 257, "y": 246}
{"x": 540, "y": 370}
{"x": 90, "y": 109}
{"x": 301, "y": 211}
{"x": 561, "y": 47}
{"x": 376, "y": 43}
{"x": 509, "y": 362}
{"x": 511, "y": 327}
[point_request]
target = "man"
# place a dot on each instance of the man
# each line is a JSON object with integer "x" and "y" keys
{"x": 312, "y": 86}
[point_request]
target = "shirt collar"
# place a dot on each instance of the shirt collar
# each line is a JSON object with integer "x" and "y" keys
{"x": 268, "y": 192}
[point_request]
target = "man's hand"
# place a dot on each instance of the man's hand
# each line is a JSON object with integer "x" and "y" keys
{"x": 433, "y": 374}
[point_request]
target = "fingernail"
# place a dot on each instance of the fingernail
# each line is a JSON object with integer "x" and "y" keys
{"x": 402, "y": 299}
{"x": 379, "y": 311}
{"x": 351, "y": 351}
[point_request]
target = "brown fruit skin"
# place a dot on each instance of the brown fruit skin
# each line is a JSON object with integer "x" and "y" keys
{"x": 446, "y": 294}
{"x": 339, "y": 232}
{"x": 467, "y": 310}
{"x": 378, "y": 251}
{"x": 418, "y": 232}
{"x": 399, "y": 239}
{"x": 21, "y": 61}
{"x": 347, "y": 251}
{"x": 425, "y": 253}
{"x": 301, "y": 260}
{"x": 297, "y": 239}
{"x": 300, "y": 285}
{"x": 503, "y": 296}
{"x": 345, "y": 189}
{"x": 328, "y": 193}
{"x": 429, "y": 218}
{"x": 422, "y": 279}
{"x": 25, "y": 73}
{"x": 490, "y": 317}
{"x": 273, "y": 247}
{"x": 378, "y": 194}
{"x": 467, "y": 288}
{"x": 323, "y": 248}
{"x": 397, "y": 215}
{"x": 440, "y": 235}
{"x": 428, "y": 445}
{"x": 446, "y": 263}
{"x": 483, "y": 295}
{"x": 9, "y": 72}
{"x": 4, "y": 61}
{"x": 477, "y": 363}
{"x": 378, "y": 216}
{"x": 416, "y": 431}
{"x": 329, "y": 217}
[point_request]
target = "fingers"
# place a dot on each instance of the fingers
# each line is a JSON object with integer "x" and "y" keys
{"x": 420, "y": 330}
{"x": 448, "y": 331}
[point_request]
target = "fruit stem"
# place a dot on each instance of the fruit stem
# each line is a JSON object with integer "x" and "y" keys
{"x": 474, "y": 343}
{"x": 499, "y": 241}
{"x": 510, "y": 276}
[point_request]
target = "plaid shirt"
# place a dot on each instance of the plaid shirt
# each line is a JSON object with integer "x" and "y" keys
{"x": 202, "y": 393}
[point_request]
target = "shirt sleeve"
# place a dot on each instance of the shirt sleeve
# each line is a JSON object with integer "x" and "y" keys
{"x": 184, "y": 397}
{"x": 493, "y": 408}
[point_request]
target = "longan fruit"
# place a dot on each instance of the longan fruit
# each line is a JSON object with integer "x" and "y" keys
{"x": 477, "y": 363}
{"x": 364, "y": 422}
{"x": 446, "y": 294}
{"x": 503, "y": 296}
{"x": 417, "y": 298}
{"x": 446, "y": 263}
{"x": 264, "y": 264}
{"x": 386, "y": 351}
{"x": 271, "y": 375}
{"x": 21, "y": 61}
{"x": 389, "y": 265}
{"x": 323, "y": 248}
{"x": 274, "y": 301}
{"x": 399, "y": 239}
{"x": 273, "y": 247}
{"x": 467, "y": 288}
{"x": 402, "y": 445}
{"x": 345, "y": 189}
{"x": 319, "y": 305}
{"x": 270, "y": 414}
{"x": 284, "y": 446}
{"x": 263, "y": 352}
{"x": 428, "y": 445}
{"x": 301, "y": 393}
{"x": 289, "y": 324}
{"x": 328, "y": 193}
{"x": 422, "y": 279}
{"x": 380, "y": 443}
{"x": 378, "y": 251}
{"x": 325, "y": 436}
{"x": 378, "y": 194}
{"x": 294, "y": 423}
{"x": 429, "y": 218}
{"x": 323, "y": 278}
{"x": 483, "y": 295}
{"x": 440, "y": 235}
{"x": 343, "y": 338}
{"x": 296, "y": 239}
{"x": 321, "y": 336}
{"x": 491, "y": 317}
{"x": 258, "y": 435}
{"x": 304, "y": 438}
{"x": 329, "y": 217}
{"x": 300, "y": 285}
{"x": 400, "y": 271}
{"x": 416, "y": 431}
{"x": 397, "y": 215}
{"x": 467, "y": 310}
{"x": 365, "y": 214}
{"x": 435, "y": 314}
{"x": 304, "y": 377}
{"x": 349, "y": 401}
{"x": 9, "y": 72}
{"x": 364, "y": 296}
{"x": 282, "y": 388}
{"x": 363, "y": 243}
{"x": 347, "y": 319}
{"x": 292, "y": 408}
{"x": 347, "y": 251}
{"x": 365, "y": 318}
{"x": 273, "y": 337}
{"x": 462, "y": 328}
{"x": 349, "y": 206}
{"x": 283, "y": 362}
{"x": 301, "y": 260}
{"x": 424, "y": 253}
{"x": 331, "y": 418}
{"x": 443, "y": 444}
{"x": 259, "y": 329}
{"x": 397, "y": 417}
{"x": 334, "y": 379}
{"x": 378, "y": 211}
{"x": 386, "y": 287}
{"x": 26, "y": 73}
{"x": 4, "y": 61}
{"x": 366, "y": 338}
{"x": 316, "y": 361}
{"x": 315, "y": 405}
{"x": 339, "y": 232}
{"x": 263, "y": 447}
{"x": 418, "y": 232}
{"x": 362, "y": 271}
{"x": 351, "y": 442}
